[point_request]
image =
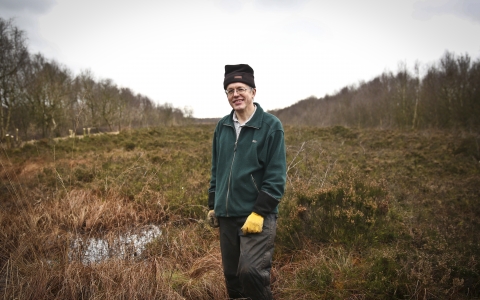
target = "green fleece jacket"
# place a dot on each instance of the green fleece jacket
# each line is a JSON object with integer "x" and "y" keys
{"x": 248, "y": 174}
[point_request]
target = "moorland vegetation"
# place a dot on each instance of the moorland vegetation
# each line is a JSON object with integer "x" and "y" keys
{"x": 381, "y": 199}
{"x": 367, "y": 214}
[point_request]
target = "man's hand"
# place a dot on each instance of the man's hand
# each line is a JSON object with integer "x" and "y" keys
{"x": 253, "y": 224}
{"x": 212, "y": 219}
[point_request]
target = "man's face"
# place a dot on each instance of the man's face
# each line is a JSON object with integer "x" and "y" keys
{"x": 240, "y": 102}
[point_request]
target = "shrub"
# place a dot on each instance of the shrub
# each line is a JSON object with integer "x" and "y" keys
{"x": 352, "y": 212}
{"x": 129, "y": 146}
{"x": 83, "y": 174}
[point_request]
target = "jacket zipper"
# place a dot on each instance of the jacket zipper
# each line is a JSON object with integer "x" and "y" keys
{"x": 231, "y": 165}
{"x": 231, "y": 168}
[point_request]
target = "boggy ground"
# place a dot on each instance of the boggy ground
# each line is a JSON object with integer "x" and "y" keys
{"x": 367, "y": 214}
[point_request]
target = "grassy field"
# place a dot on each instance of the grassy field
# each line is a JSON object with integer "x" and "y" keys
{"x": 367, "y": 214}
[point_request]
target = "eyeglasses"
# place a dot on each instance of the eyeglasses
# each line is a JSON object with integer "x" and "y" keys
{"x": 239, "y": 90}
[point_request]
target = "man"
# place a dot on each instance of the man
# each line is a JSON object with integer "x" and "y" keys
{"x": 247, "y": 182}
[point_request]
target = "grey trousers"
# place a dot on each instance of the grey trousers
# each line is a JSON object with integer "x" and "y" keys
{"x": 247, "y": 259}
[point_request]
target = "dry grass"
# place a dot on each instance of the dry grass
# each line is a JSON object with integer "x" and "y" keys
{"x": 366, "y": 215}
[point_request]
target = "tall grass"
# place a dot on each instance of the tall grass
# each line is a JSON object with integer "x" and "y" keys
{"x": 366, "y": 215}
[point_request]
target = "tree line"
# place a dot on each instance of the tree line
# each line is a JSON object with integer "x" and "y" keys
{"x": 41, "y": 98}
{"x": 447, "y": 96}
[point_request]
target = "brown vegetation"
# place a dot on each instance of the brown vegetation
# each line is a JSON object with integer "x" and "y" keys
{"x": 368, "y": 214}
{"x": 389, "y": 211}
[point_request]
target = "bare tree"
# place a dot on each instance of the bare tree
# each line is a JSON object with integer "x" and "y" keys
{"x": 108, "y": 100}
{"x": 87, "y": 112}
{"x": 48, "y": 92}
{"x": 13, "y": 57}
{"x": 417, "y": 94}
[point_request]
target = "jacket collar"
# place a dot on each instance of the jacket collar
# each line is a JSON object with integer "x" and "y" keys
{"x": 255, "y": 121}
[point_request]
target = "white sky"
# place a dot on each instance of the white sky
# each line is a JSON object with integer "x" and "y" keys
{"x": 175, "y": 51}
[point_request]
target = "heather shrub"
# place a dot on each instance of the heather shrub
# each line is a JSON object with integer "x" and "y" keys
{"x": 352, "y": 211}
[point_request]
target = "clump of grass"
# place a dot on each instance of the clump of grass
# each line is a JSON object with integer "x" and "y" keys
{"x": 36, "y": 252}
{"x": 129, "y": 146}
{"x": 351, "y": 211}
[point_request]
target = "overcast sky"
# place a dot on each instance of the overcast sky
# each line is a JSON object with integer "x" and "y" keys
{"x": 174, "y": 51}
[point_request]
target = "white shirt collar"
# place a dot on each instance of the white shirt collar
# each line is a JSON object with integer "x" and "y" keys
{"x": 235, "y": 119}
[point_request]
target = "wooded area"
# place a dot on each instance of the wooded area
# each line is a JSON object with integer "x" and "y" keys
{"x": 446, "y": 97}
{"x": 42, "y": 99}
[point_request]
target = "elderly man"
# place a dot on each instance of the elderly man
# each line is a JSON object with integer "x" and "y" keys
{"x": 247, "y": 183}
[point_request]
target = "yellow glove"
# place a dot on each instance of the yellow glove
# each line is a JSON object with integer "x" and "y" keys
{"x": 212, "y": 219}
{"x": 253, "y": 224}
